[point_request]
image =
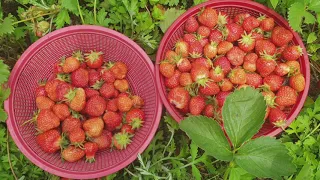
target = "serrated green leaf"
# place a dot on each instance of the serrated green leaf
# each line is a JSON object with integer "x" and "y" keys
{"x": 169, "y": 17}
{"x": 274, "y": 3}
{"x": 3, "y": 115}
{"x": 6, "y": 26}
{"x": 4, "y": 94}
{"x": 305, "y": 173}
{"x": 265, "y": 157}
{"x": 311, "y": 37}
{"x": 309, "y": 18}
{"x": 102, "y": 19}
{"x": 157, "y": 13}
{"x": 4, "y": 72}
{"x": 314, "y": 6}
{"x": 71, "y": 5}
{"x": 309, "y": 141}
{"x": 295, "y": 15}
{"x": 207, "y": 134}
{"x": 196, "y": 2}
{"x": 19, "y": 32}
{"x": 173, "y": 123}
{"x": 243, "y": 113}
{"x": 196, "y": 173}
{"x": 62, "y": 19}
{"x": 193, "y": 151}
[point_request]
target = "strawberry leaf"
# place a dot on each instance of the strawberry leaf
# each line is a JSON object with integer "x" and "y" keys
{"x": 169, "y": 17}
{"x": 6, "y": 26}
{"x": 62, "y": 18}
{"x": 195, "y": 172}
{"x": 70, "y": 5}
{"x": 4, "y": 72}
{"x": 311, "y": 37}
{"x": 295, "y": 15}
{"x": 314, "y": 6}
{"x": 274, "y": 3}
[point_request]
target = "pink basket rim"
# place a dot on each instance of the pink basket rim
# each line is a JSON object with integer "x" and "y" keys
{"x": 8, "y": 104}
{"x": 232, "y": 3}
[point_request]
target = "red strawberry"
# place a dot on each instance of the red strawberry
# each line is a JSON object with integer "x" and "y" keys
{"x": 211, "y": 88}
{"x": 224, "y": 47}
{"x": 70, "y": 64}
{"x": 91, "y": 92}
{"x": 179, "y": 97}
{"x": 265, "y": 46}
{"x": 62, "y": 91}
{"x": 57, "y": 69}
{"x": 70, "y": 123}
{"x": 104, "y": 141}
{"x": 236, "y": 56}
{"x": 191, "y": 25}
{"x": 216, "y": 74}
{"x": 215, "y": 36}
{"x": 221, "y": 97}
{"x": 197, "y": 105}
{"x": 281, "y": 36}
{"x": 44, "y": 102}
{"x": 167, "y": 69}
{"x": 225, "y": 85}
{"x": 250, "y": 23}
{"x": 210, "y": 50}
{"x": 121, "y": 85}
{"x": 94, "y": 59}
{"x": 266, "y": 65}
{"x": 233, "y": 32}
{"x": 205, "y": 62}
{"x": 199, "y": 74}
{"x": 46, "y": 120}
{"x": 190, "y": 38}
{"x": 203, "y": 31}
{"x": 173, "y": 81}
{"x": 237, "y": 76}
{"x": 239, "y": 18}
{"x": 185, "y": 79}
{"x": 94, "y": 77}
{"x": 107, "y": 90}
{"x": 203, "y": 41}
{"x": 124, "y": 104}
{"x": 51, "y": 89}
{"x": 93, "y": 127}
{"x": 72, "y": 154}
{"x": 76, "y": 99}
{"x": 107, "y": 76}
{"x": 41, "y": 90}
{"x": 90, "y": 148}
{"x": 80, "y": 77}
{"x": 282, "y": 69}
{"x": 184, "y": 65}
{"x": 171, "y": 56}
{"x": 277, "y": 117}
{"x": 61, "y": 111}
{"x": 77, "y": 137}
{"x": 121, "y": 140}
{"x": 208, "y": 17}
{"x": 209, "y": 110}
{"x": 96, "y": 106}
{"x": 247, "y": 42}
{"x": 297, "y": 82}
{"x": 294, "y": 67}
{"x": 137, "y": 101}
{"x": 182, "y": 48}
{"x": 118, "y": 69}
{"x": 224, "y": 63}
{"x": 267, "y": 24}
{"x": 112, "y": 105}
{"x": 135, "y": 118}
{"x": 286, "y": 96}
{"x": 127, "y": 128}
{"x": 249, "y": 62}
{"x": 257, "y": 36}
{"x": 273, "y": 82}
{"x": 254, "y": 80}
{"x": 292, "y": 53}
{"x": 49, "y": 141}
{"x": 112, "y": 120}
{"x": 195, "y": 49}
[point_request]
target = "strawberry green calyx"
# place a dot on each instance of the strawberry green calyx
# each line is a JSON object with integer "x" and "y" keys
{"x": 122, "y": 140}
{"x": 76, "y": 114}
{"x": 261, "y": 17}
{"x": 136, "y": 123}
{"x": 93, "y": 56}
{"x": 270, "y": 101}
{"x": 258, "y": 30}
{"x": 62, "y": 60}
{"x": 78, "y": 55}
{"x": 268, "y": 57}
{"x": 110, "y": 64}
{"x": 42, "y": 82}
{"x": 267, "y": 35}
{"x": 195, "y": 55}
{"x": 90, "y": 159}
{"x": 98, "y": 84}
{"x": 246, "y": 39}
{"x": 222, "y": 19}
{"x": 300, "y": 50}
{"x": 33, "y": 119}
{"x": 193, "y": 89}
{"x": 218, "y": 70}
{"x": 70, "y": 95}
{"x": 64, "y": 77}
{"x": 280, "y": 123}
{"x": 64, "y": 142}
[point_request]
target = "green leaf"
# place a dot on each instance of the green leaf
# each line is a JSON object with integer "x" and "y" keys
{"x": 157, "y": 13}
{"x": 169, "y": 17}
{"x": 207, "y": 134}
{"x": 196, "y": 172}
{"x": 274, "y": 3}
{"x": 6, "y": 26}
{"x": 4, "y": 72}
{"x": 3, "y": 115}
{"x": 238, "y": 173}
{"x": 71, "y": 5}
{"x": 314, "y": 6}
{"x": 193, "y": 150}
{"x": 196, "y": 2}
{"x": 62, "y": 18}
{"x": 173, "y": 123}
{"x": 4, "y": 94}
{"x": 305, "y": 173}
{"x": 309, "y": 18}
{"x": 243, "y": 113}
{"x": 295, "y": 15}
{"x": 101, "y": 18}
{"x": 265, "y": 157}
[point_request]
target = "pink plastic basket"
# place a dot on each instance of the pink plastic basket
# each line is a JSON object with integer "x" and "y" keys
{"x": 37, "y": 63}
{"x": 231, "y": 7}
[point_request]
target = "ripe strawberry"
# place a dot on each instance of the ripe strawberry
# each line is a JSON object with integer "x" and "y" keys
{"x": 124, "y": 104}
{"x": 210, "y": 50}
{"x": 203, "y": 41}
{"x": 184, "y": 65}
{"x": 112, "y": 120}
{"x": 91, "y": 92}
{"x": 209, "y": 110}
{"x": 94, "y": 77}
{"x": 121, "y": 85}
{"x": 250, "y": 23}
{"x": 249, "y": 62}
{"x": 49, "y": 141}
{"x": 236, "y": 56}
{"x": 208, "y": 17}
{"x": 190, "y": 38}
{"x": 269, "y": 97}
{"x": 76, "y": 99}
{"x": 225, "y": 85}
{"x": 239, "y": 18}
{"x": 61, "y": 111}
{"x": 277, "y": 117}
{"x": 292, "y": 53}
{"x": 286, "y": 96}
{"x": 265, "y": 65}
{"x": 216, "y": 74}
{"x": 44, "y": 102}
{"x": 257, "y": 35}
{"x": 93, "y": 127}
{"x": 191, "y": 25}
{"x": 203, "y": 31}
{"x": 224, "y": 63}
{"x": 57, "y": 69}
{"x": 197, "y": 105}
{"x": 182, "y": 48}
{"x": 205, "y": 62}
{"x": 137, "y": 101}
{"x": 95, "y": 106}
{"x": 94, "y": 59}
{"x": 107, "y": 76}
{"x": 273, "y": 82}
{"x": 179, "y": 97}
{"x": 62, "y": 90}
{"x": 104, "y": 141}
{"x": 135, "y": 117}
{"x": 80, "y": 78}
{"x": 282, "y": 69}
{"x": 294, "y": 67}
{"x": 265, "y": 46}
{"x": 127, "y": 128}
{"x": 173, "y": 81}
{"x": 195, "y": 49}
{"x": 281, "y": 36}
{"x": 167, "y": 69}
{"x": 121, "y": 140}
{"x": 237, "y": 76}
{"x": 185, "y": 79}
{"x": 77, "y": 137}
{"x": 247, "y": 42}
{"x": 70, "y": 123}
{"x": 72, "y": 154}
{"x": 233, "y": 32}
{"x": 267, "y": 24}
{"x": 112, "y": 105}
{"x": 90, "y": 148}
{"x": 69, "y": 64}
{"x": 297, "y": 82}
{"x": 40, "y": 90}
{"x": 215, "y": 36}
{"x": 46, "y": 120}
{"x": 221, "y": 97}
{"x": 211, "y": 88}
{"x": 51, "y": 89}
{"x": 253, "y": 79}
{"x": 118, "y": 69}
{"x": 107, "y": 90}
{"x": 224, "y": 47}
{"x": 199, "y": 74}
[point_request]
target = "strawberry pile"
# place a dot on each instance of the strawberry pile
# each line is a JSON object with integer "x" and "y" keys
{"x": 217, "y": 54}
{"x": 87, "y": 107}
